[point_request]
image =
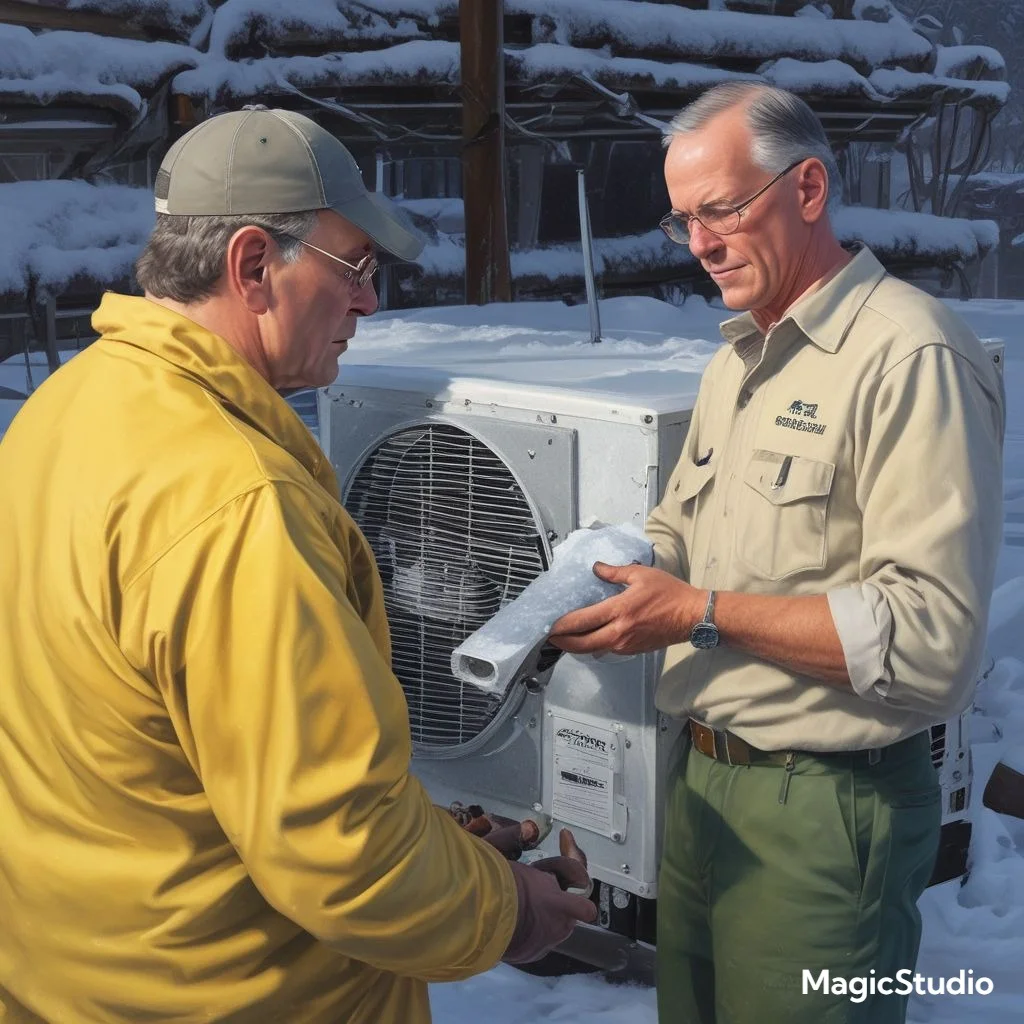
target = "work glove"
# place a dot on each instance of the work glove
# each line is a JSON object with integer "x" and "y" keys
{"x": 546, "y": 912}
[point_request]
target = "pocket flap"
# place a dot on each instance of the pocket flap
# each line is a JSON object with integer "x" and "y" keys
{"x": 693, "y": 479}
{"x": 783, "y": 479}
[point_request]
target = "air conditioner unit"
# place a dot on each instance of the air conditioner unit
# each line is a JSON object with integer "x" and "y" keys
{"x": 463, "y": 488}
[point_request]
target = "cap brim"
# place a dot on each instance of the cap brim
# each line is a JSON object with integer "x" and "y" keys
{"x": 385, "y": 222}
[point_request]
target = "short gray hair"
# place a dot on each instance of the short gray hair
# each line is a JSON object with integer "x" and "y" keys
{"x": 783, "y": 128}
{"x": 184, "y": 256}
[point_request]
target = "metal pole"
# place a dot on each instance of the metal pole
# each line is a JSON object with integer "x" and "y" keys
{"x": 384, "y": 278}
{"x": 587, "y": 242}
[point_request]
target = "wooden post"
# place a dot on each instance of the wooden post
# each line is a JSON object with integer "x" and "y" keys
{"x": 488, "y": 275}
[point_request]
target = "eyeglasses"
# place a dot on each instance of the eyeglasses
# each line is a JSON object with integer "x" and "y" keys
{"x": 718, "y": 218}
{"x": 360, "y": 272}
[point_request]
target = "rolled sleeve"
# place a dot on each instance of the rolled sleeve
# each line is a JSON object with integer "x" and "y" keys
{"x": 863, "y": 621}
{"x": 930, "y": 488}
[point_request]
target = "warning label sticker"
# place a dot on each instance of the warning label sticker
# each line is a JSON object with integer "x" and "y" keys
{"x": 584, "y": 778}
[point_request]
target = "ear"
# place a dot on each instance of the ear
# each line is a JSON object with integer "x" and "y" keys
{"x": 812, "y": 190}
{"x": 249, "y": 251}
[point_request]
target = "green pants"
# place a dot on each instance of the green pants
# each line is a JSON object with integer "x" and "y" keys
{"x": 763, "y": 880}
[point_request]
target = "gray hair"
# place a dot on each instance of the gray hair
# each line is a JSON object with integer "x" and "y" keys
{"x": 184, "y": 256}
{"x": 783, "y": 128}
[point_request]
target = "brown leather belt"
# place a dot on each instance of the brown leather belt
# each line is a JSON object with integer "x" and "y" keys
{"x": 728, "y": 748}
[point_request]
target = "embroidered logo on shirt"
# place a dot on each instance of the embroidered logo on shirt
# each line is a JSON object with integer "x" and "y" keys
{"x": 808, "y": 409}
{"x": 801, "y": 416}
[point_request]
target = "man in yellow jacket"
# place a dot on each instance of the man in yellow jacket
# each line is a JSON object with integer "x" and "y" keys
{"x": 206, "y": 811}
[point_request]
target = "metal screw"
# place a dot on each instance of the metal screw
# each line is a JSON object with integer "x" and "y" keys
{"x": 648, "y": 419}
{"x": 616, "y": 837}
{"x": 629, "y": 743}
{"x": 624, "y": 869}
{"x": 468, "y": 401}
{"x": 551, "y": 440}
{"x": 957, "y": 776}
{"x": 552, "y": 535}
{"x": 532, "y": 724}
{"x": 531, "y": 453}
{"x": 539, "y": 808}
{"x": 429, "y": 404}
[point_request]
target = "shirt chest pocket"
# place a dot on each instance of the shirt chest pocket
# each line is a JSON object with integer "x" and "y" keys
{"x": 692, "y": 490}
{"x": 783, "y": 514}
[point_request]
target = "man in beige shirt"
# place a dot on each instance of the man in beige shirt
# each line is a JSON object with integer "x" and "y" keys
{"x": 825, "y": 553}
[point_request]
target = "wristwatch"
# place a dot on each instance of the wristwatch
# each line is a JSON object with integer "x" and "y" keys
{"x": 704, "y": 635}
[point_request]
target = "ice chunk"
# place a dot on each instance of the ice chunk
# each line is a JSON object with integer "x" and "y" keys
{"x": 508, "y": 645}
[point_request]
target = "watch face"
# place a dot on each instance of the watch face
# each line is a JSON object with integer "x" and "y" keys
{"x": 704, "y": 636}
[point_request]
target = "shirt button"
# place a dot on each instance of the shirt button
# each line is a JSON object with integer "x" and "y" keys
{"x": 712, "y": 562}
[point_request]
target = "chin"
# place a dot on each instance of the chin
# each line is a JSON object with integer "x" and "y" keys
{"x": 330, "y": 375}
{"x": 741, "y": 298}
{"x": 736, "y": 298}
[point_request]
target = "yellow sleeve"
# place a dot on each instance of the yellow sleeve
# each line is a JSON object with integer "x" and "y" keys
{"x": 299, "y": 732}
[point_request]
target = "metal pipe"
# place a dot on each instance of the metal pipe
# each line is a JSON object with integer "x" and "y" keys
{"x": 587, "y": 242}
{"x": 384, "y": 275}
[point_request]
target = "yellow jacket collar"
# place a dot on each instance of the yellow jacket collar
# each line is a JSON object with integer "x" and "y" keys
{"x": 209, "y": 360}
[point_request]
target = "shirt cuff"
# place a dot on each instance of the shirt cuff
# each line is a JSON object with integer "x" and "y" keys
{"x": 863, "y": 621}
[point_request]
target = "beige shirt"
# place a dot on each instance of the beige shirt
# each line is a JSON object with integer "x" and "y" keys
{"x": 855, "y": 451}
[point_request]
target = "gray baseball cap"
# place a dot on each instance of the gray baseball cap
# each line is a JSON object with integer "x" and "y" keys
{"x": 259, "y": 161}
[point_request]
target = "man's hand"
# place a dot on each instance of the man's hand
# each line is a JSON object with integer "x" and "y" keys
{"x": 548, "y": 905}
{"x": 656, "y": 610}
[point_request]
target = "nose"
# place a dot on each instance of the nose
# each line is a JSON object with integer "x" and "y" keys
{"x": 703, "y": 243}
{"x": 365, "y": 301}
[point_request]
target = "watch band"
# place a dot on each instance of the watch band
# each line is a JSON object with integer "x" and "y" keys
{"x": 709, "y": 610}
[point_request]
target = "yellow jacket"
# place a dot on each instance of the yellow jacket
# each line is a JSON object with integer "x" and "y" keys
{"x": 206, "y": 811}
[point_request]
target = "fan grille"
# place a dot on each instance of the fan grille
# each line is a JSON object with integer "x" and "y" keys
{"x": 455, "y": 540}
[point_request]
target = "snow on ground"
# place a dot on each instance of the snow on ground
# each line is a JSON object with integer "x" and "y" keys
{"x": 978, "y": 926}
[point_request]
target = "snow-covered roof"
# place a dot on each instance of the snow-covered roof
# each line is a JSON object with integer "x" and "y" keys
{"x": 345, "y": 24}
{"x": 182, "y": 15}
{"x": 627, "y": 27}
{"x": 82, "y": 67}
{"x": 901, "y": 234}
{"x": 622, "y": 44}
{"x": 894, "y": 235}
{"x": 56, "y": 231}
{"x": 667, "y": 31}
{"x": 835, "y": 78}
{"x": 268, "y": 48}
{"x": 419, "y": 62}
{"x": 436, "y": 63}
{"x": 968, "y": 61}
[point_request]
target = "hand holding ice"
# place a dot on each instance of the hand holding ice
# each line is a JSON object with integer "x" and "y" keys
{"x": 507, "y": 646}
